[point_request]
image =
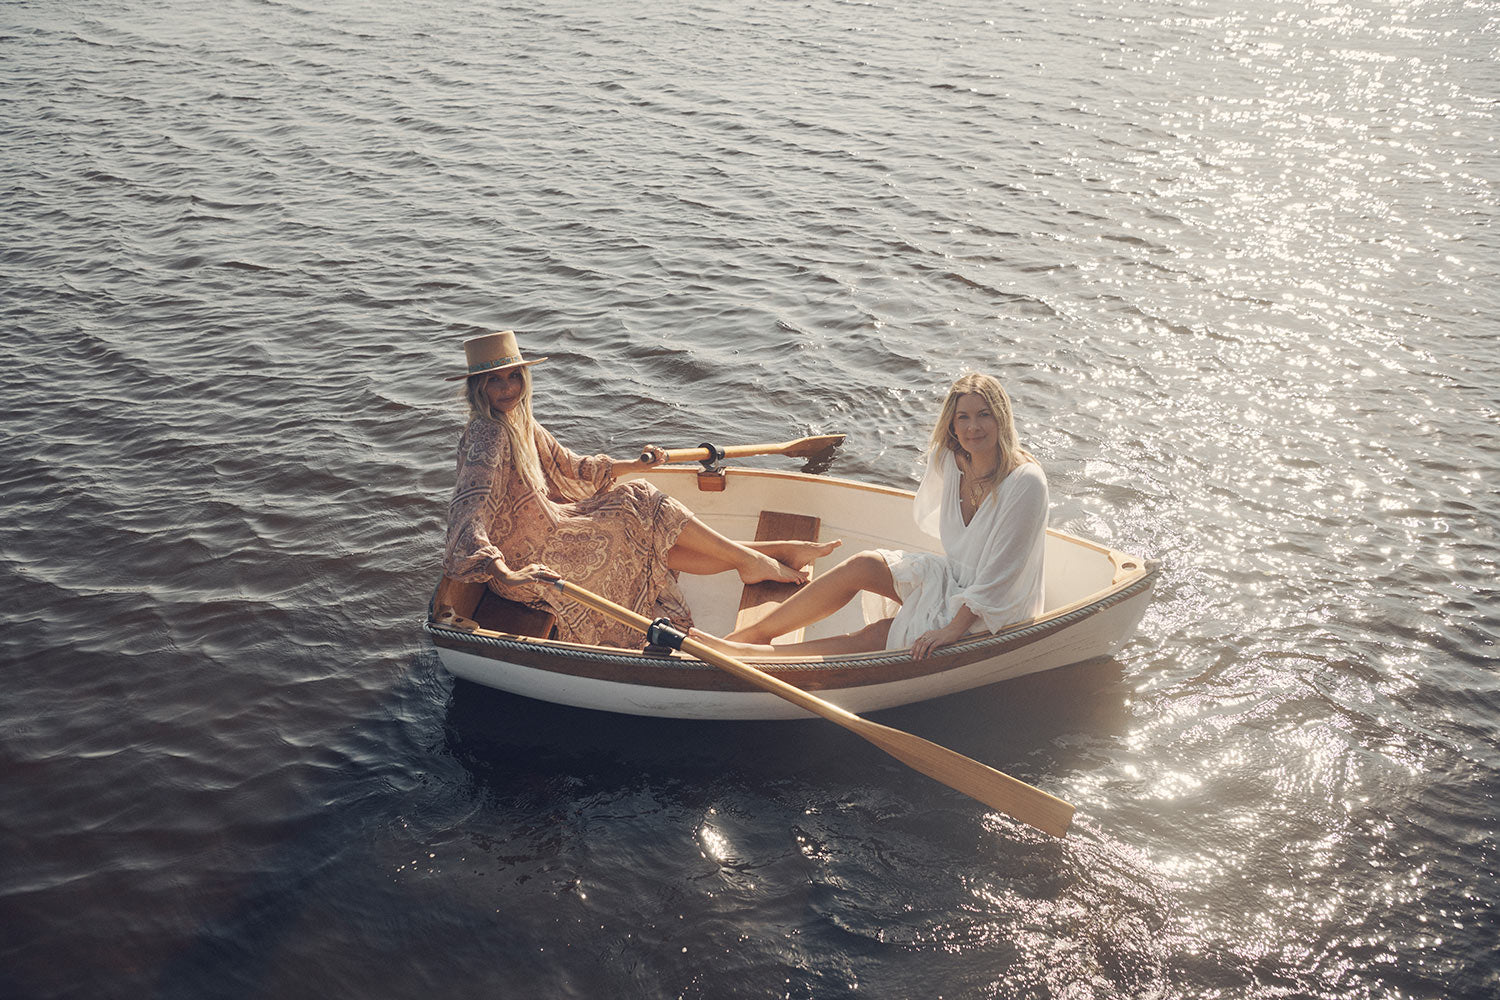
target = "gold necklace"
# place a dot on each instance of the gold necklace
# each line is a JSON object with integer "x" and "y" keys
{"x": 973, "y": 490}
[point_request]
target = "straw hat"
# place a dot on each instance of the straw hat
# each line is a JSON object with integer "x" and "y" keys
{"x": 492, "y": 352}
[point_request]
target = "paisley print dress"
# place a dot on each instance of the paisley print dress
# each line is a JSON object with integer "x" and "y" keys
{"x": 611, "y": 538}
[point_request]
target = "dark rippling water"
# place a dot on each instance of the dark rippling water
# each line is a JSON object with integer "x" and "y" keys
{"x": 1237, "y": 263}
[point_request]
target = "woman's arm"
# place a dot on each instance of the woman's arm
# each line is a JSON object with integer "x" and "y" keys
{"x": 573, "y": 477}
{"x": 530, "y": 573}
{"x": 469, "y": 555}
{"x": 592, "y": 473}
{"x": 951, "y": 632}
{"x": 654, "y": 457}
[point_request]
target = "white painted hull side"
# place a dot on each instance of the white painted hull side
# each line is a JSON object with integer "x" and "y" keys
{"x": 1100, "y": 634}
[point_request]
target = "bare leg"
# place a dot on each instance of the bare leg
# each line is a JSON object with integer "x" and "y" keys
{"x": 793, "y": 553}
{"x": 825, "y": 595}
{"x": 869, "y": 638}
{"x": 700, "y": 549}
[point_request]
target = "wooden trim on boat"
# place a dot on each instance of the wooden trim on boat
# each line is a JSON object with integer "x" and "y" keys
{"x": 680, "y": 672}
{"x": 734, "y": 472}
{"x": 812, "y": 674}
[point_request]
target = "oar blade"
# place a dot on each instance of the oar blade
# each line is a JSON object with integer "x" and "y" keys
{"x": 978, "y": 781}
{"x": 809, "y": 447}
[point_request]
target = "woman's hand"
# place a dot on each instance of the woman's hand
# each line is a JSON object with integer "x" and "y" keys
{"x": 530, "y": 573}
{"x": 951, "y": 632}
{"x": 651, "y": 456}
{"x": 928, "y": 641}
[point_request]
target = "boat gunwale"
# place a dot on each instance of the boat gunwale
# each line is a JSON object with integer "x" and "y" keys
{"x": 824, "y": 672}
{"x": 735, "y": 471}
{"x": 1133, "y": 575}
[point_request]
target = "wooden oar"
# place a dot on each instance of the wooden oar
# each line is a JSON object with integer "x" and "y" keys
{"x": 996, "y": 789}
{"x": 800, "y": 448}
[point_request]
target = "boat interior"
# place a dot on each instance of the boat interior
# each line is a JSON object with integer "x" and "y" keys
{"x": 1077, "y": 570}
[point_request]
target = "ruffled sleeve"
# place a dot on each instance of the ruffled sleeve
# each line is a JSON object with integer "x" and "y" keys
{"x": 483, "y": 466}
{"x": 927, "y": 508}
{"x": 1000, "y": 570}
{"x": 572, "y": 477}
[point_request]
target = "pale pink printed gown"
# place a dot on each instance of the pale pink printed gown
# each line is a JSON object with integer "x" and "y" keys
{"x": 611, "y": 538}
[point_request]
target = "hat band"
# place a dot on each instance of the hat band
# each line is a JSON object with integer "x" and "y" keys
{"x": 484, "y": 366}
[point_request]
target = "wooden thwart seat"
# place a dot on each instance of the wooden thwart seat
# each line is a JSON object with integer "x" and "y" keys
{"x": 466, "y": 605}
{"x": 759, "y": 599}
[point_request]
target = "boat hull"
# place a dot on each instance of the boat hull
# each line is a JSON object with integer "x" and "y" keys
{"x": 1090, "y": 613}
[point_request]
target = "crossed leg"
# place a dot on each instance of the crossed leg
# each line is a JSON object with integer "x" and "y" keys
{"x": 702, "y": 550}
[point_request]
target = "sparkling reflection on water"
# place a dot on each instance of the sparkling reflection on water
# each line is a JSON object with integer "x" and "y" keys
{"x": 1237, "y": 267}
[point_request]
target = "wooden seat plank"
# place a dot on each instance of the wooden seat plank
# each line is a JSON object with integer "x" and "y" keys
{"x": 758, "y": 599}
{"x": 470, "y": 605}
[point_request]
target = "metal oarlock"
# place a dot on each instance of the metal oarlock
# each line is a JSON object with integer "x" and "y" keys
{"x": 711, "y": 478}
{"x": 662, "y": 632}
{"x": 715, "y": 456}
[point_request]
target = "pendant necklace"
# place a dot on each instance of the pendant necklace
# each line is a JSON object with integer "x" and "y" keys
{"x": 973, "y": 488}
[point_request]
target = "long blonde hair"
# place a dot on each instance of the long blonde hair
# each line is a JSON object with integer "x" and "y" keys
{"x": 519, "y": 425}
{"x": 988, "y": 388}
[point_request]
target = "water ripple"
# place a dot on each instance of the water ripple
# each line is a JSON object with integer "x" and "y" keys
{"x": 1236, "y": 265}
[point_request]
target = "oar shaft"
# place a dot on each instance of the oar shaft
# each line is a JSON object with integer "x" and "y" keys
{"x": 746, "y": 450}
{"x": 767, "y": 682}
{"x": 708, "y": 654}
{"x": 800, "y": 448}
{"x": 678, "y": 455}
{"x": 979, "y": 781}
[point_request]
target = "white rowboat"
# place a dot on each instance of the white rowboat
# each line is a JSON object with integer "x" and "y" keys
{"x": 1095, "y": 597}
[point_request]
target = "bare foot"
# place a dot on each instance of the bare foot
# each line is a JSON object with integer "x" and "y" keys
{"x": 763, "y": 567}
{"x": 750, "y": 635}
{"x": 731, "y": 647}
{"x": 798, "y": 554}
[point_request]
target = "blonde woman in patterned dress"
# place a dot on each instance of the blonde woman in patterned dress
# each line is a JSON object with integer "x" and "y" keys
{"x": 985, "y": 498}
{"x": 525, "y": 506}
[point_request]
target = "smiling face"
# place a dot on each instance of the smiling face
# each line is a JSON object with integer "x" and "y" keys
{"x": 976, "y": 419}
{"x": 504, "y": 389}
{"x": 977, "y": 428}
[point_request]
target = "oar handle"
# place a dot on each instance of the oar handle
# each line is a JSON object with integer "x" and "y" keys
{"x": 702, "y": 453}
{"x": 996, "y": 789}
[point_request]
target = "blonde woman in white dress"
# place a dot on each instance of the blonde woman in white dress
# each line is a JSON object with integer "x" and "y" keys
{"x": 985, "y": 498}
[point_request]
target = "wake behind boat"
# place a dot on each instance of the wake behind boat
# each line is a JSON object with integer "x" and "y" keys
{"x": 1095, "y": 597}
